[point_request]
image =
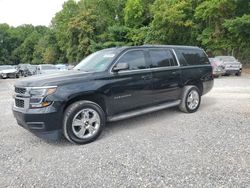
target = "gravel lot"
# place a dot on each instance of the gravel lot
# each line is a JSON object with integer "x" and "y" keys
{"x": 210, "y": 148}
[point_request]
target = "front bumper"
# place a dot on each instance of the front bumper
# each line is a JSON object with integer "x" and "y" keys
{"x": 43, "y": 122}
{"x": 233, "y": 71}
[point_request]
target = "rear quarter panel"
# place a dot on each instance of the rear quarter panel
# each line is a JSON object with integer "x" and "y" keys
{"x": 198, "y": 73}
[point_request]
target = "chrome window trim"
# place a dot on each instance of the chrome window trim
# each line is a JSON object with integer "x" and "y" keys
{"x": 146, "y": 69}
{"x": 175, "y": 55}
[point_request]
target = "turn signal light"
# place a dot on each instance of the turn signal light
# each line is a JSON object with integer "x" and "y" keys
{"x": 44, "y": 104}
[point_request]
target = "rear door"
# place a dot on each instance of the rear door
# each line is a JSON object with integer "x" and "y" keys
{"x": 166, "y": 75}
{"x": 132, "y": 88}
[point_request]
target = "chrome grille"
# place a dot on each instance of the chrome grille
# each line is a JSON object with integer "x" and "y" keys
{"x": 19, "y": 103}
{"x": 20, "y": 90}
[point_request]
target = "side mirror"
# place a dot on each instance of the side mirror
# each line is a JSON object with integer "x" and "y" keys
{"x": 120, "y": 66}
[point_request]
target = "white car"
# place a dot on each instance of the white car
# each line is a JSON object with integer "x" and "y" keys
{"x": 231, "y": 64}
{"x": 61, "y": 67}
{"x": 8, "y": 71}
{"x": 46, "y": 69}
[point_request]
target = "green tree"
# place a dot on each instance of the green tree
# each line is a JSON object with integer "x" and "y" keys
{"x": 172, "y": 22}
{"x": 60, "y": 24}
{"x": 80, "y": 33}
{"x": 239, "y": 29}
{"x": 212, "y": 14}
{"x": 134, "y": 12}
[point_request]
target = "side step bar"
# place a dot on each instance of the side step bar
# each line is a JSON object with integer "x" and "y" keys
{"x": 143, "y": 111}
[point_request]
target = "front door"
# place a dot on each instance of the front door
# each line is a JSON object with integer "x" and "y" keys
{"x": 131, "y": 88}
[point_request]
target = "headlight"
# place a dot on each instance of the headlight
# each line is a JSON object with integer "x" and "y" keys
{"x": 42, "y": 91}
{"x": 38, "y": 94}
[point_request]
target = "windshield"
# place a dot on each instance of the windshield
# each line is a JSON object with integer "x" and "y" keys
{"x": 6, "y": 67}
{"x": 47, "y": 67}
{"x": 97, "y": 62}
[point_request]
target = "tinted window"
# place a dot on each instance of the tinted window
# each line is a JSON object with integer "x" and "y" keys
{"x": 162, "y": 58}
{"x": 135, "y": 59}
{"x": 181, "y": 58}
{"x": 194, "y": 57}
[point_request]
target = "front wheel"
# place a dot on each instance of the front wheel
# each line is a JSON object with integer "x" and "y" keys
{"x": 83, "y": 122}
{"x": 191, "y": 99}
{"x": 238, "y": 74}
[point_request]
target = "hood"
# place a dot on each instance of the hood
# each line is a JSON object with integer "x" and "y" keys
{"x": 8, "y": 71}
{"x": 55, "y": 79}
{"x": 231, "y": 62}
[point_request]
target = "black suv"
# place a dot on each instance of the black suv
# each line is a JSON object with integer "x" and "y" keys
{"x": 111, "y": 85}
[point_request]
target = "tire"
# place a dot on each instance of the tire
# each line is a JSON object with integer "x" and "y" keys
{"x": 238, "y": 74}
{"x": 185, "y": 105}
{"x": 77, "y": 113}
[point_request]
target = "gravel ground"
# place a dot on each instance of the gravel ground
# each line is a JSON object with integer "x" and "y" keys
{"x": 210, "y": 148}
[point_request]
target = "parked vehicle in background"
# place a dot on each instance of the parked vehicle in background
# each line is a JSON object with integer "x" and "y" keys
{"x": 71, "y": 67}
{"x": 8, "y": 71}
{"x": 61, "y": 67}
{"x": 46, "y": 69}
{"x": 23, "y": 70}
{"x": 32, "y": 69}
{"x": 26, "y": 69}
{"x": 110, "y": 85}
{"x": 218, "y": 67}
{"x": 232, "y": 65}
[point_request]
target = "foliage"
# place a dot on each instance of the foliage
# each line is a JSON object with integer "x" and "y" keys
{"x": 172, "y": 22}
{"x": 85, "y": 26}
{"x": 213, "y": 13}
{"x": 133, "y": 13}
{"x": 79, "y": 34}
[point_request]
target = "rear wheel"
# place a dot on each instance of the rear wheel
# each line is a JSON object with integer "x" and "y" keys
{"x": 191, "y": 99}
{"x": 83, "y": 122}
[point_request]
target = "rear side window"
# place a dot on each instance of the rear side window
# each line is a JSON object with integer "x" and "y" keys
{"x": 162, "y": 58}
{"x": 135, "y": 59}
{"x": 193, "y": 57}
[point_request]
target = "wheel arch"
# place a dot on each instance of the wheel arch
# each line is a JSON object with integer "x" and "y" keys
{"x": 93, "y": 97}
{"x": 197, "y": 83}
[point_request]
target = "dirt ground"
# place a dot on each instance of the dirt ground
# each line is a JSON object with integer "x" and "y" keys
{"x": 246, "y": 70}
{"x": 209, "y": 148}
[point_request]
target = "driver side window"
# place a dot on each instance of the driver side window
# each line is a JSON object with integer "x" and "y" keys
{"x": 135, "y": 59}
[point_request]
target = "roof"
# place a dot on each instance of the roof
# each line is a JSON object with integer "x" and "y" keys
{"x": 155, "y": 46}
